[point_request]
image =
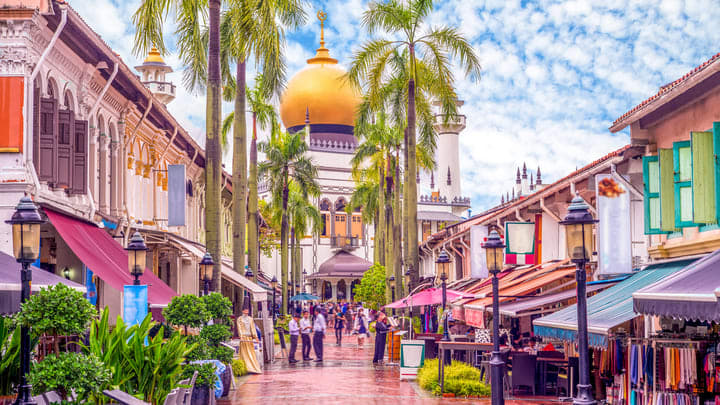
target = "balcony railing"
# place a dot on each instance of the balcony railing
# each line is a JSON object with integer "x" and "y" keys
{"x": 161, "y": 87}
{"x": 344, "y": 242}
{"x": 458, "y": 120}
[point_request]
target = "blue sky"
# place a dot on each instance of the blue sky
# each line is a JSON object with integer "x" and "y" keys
{"x": 555, "y": 73}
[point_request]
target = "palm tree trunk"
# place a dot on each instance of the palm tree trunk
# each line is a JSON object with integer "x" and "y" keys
{"x": 293, "y": 263}
{"x": 253, "y": 230}
{"x": 412, "y": 229}
{"x": 213, "y": 163}
{"x": 397, "y": 232}
{"x": 284, "y": 249}
{"x": 298, "y": 265}
{"x": 380, "y": 238}
{"x": 376, "y": 233}
{"x": 389, "y": 238}
{"x": 239, "y": 176}
{"x": 407, "y": 177}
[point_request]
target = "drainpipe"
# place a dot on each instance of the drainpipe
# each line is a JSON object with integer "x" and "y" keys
{"x": 517, "y": 215}
{"x": 621, "y": 179}
{"x": 155, "y": 173}
{"x": 104, "y": 90}
{"x": 145, "y": 114}
{"x": 31, "y": 88}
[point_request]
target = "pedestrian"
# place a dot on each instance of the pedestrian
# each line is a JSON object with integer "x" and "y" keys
{"x": 339, "y": 326}
{"x": 319, "y": 327}
{"x": 361, "y": 328}
{"x": 305, "y": 329}
{"x": 381, "y": 330}
{"x": 349, "y": 321}
{"x": 294, "y": 336}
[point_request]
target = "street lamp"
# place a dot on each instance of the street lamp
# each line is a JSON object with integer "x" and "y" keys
{"x": 273, "y": 283}
{"x": 136, "y": 256}
{"x": 206, "y": 268}
{"x": 26, "y": 222}
{"x": 391, "y": 279}
{"x": 66, "y": 273}
{"x": 494, "y": 256}
{"x": 578, "y": 235}
{"x": 443, "y": 263}
{"x": 304, "y": 275}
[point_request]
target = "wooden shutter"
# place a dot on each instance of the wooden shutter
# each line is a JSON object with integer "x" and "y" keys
{"x": 36, "y": 129}
{"x": 667, "y": 190}
{"x": 651, "y": 198}
{"x": 703, "y": 178}
{"x": 47, "y": 145}
{"x": 682, "y": 165}
{"x": 79, "y": 158}
{"x": 66, "y": 123}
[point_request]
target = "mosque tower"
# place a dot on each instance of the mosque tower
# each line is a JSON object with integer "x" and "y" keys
{"x": 448, "y": 154}
{"x": 153, "y": 72}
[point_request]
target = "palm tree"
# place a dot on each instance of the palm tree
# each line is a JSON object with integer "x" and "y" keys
{"x": 433, "y": 47}
{"x": 191, "y": 17}
{"x": 287, "y": 161}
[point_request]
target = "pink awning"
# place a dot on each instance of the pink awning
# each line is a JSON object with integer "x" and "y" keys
{"x": 106, "y": 257}
{"x": 431, "y": 296}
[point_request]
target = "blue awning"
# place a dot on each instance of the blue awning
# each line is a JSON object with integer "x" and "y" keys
{"x": 607, "y": 309}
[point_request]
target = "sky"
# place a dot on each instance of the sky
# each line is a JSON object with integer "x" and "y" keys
{"x": 556, "y": 74}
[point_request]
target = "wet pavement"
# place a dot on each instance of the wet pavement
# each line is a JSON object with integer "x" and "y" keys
{"x": 346, "y": 376}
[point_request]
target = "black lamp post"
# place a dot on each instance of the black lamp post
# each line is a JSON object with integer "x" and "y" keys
{"x": 206, "y": 268}
{"x": 136, "y": 256}
{"x": 578, "y": 235}
{"x": 443, "y": 262}
{"x": 66, "y": 273}
{"x": 391, "y": 279}
{"x": 494, "y": 256}
{"x": 26, "y": 222}
{"x": 304, "y": 274}
{"x": 273, "y": 284}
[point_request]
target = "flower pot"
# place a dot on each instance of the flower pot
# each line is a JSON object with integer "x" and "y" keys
{"x": 226, "y": 378}
{"x": 448, "y": 395}
{"x": 201, "y": 395}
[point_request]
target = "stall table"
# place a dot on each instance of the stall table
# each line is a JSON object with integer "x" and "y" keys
{"x": 464, "y": 346}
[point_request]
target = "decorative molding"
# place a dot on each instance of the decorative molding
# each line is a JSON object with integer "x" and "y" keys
{"x": 679, "y": 247}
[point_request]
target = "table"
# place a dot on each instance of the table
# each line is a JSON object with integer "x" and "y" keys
{"x": 542, "y": 363}
{"x": 464, "y": 346}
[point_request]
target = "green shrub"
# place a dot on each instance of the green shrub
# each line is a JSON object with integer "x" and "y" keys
{"x": 200, "y": 352}
{"x": 222, "y": 353}
{"x": 219, "y": 307}
{"x": 187, "y": 311}
{"x": 461, "y": 379}
{"x": 206, "y": 374}
{"x": 215, "y": 334}
{"x": 464, "y": 388}
{"x": 427, "y": 376}
{"x": 238, "y": 367}
{"x": 66, "y": 372}
{"x": 9, "y": 356}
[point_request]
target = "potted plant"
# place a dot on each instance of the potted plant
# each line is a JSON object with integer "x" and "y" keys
{"x": 9, "y": 360}
{"x": 204, "y": 383}
{"x": 187, "y": 311}
{"x": 66, "y": 373}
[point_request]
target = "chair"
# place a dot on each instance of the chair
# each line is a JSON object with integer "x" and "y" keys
{"x": 568, "y": 379}
{"x": 47, "y": 398}
{"x": 183, "y": 394}
{"x": 123, "y": 398}
{"x": 523, "y": 371}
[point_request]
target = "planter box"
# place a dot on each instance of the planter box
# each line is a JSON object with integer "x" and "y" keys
{"x": 201, "y": 395}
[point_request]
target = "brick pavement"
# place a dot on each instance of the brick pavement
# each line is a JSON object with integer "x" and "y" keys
{"x": 347, "y": 376}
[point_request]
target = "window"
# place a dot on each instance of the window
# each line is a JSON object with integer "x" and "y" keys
{"x": 703, "y": 178}
{"x": 426, "y": 229}
{"x": 651, "y": 182}
{"x": 325, "y": 223}
{"x": 340, "y": 225}
{"x": 356, "y": 227}
{"x": 682, "y": 163}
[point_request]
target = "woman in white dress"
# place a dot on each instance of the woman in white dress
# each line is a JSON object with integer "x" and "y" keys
{"x": 361, "y": 327}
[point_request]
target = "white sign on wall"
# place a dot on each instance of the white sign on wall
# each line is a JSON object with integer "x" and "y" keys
{"x": 614, "y": 233}
{"x": 478, "y": 264}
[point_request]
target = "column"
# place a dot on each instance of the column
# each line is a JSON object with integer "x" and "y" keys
{"x": 115, "y": 166}
{"x": 92, "y": 160}
{"x": 333, "y": 284}
{"x": 121, "y": 165}
{"x": 102, "y": 182}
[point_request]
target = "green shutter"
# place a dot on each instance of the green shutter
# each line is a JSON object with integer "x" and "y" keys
{"x": 716, "y": 150}
{"x": 703, "y": 178}
{"x": 683, "y": 170}
{"x": 651, "y": 200}
{"x": 667, "y": 190}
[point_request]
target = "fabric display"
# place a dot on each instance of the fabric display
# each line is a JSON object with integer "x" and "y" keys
{"x": 673, "y": 398}
{"x": 680, "y": 368}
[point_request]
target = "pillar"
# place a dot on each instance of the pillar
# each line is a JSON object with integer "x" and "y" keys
{"x": 121, "y": 165}
{"x": 115, "y": 166}
{"x": 333, "y": 284}
{"x": 92, "y": 160}
{"x": 102, "y": 182}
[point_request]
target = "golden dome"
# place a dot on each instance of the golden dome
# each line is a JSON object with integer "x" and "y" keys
{"x": 154, "y": 56}
{"x": 321, "y": 90}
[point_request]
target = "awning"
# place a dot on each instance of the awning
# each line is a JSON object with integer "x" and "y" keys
{"x": 607, "y": 309}
{"x": 438, "y": 216}
{"x": 515, "y": 308}
{"x": 258, "y": 293}
{"x": 691, "y": 293}
{"x": 105, "y": 257}
{"x": 342, "y": 265}
{"x": 191, "y": 247}
{"x": 10, "y": 283}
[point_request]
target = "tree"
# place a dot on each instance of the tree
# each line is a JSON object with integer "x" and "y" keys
{"x": 286, "y": 161}
{"x": 434, "y": 47}
{"x": 187, "y": 311}
{"x": 371, "y": 289}
{"x": 191, "y": 16}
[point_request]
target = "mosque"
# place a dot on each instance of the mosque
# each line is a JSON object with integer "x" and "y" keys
{"x": 334, "y": 261}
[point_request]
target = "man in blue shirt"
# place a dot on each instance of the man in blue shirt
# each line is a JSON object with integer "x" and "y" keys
{"x": 318, "y": 334}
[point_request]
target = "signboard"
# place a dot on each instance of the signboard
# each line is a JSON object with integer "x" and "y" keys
{"x": 478, "y": 264}
{"x": 91, "y": 293}
{"x": 475, "y": 317}
{"x": 519, "y": 243}
{"x": 412, "y": 357}
{"x": 176, "y": 195}
{"x": 614, "y": 229}
{"x": 135, "y": 304}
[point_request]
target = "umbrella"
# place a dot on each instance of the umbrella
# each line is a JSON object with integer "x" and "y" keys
{"x": 430, "y": 296}
{"x": 304, "y": 297}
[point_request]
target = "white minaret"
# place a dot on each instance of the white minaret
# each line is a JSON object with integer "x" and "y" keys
{"x": 153, "y": 72}
{"x": 447, "y": 174}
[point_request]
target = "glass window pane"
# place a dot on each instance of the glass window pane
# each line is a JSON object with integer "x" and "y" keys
{"x": 686, "y": 208}
{"x": 654, "y": 213}
{"x": 654, "y": 177}
{"x": 685, "y": 155}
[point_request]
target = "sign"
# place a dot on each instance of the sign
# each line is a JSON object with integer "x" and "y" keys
{"x": 478, "y": 263}
{"x": 412, "y": 358}
{"x": 519, "y": 243}
{"x": 475, "y": 317}
{"x": 614, "y": 229}
{"x": 91, "y": 293}
{"x": 135, "y": 304}
{"x": 176, "y": 195}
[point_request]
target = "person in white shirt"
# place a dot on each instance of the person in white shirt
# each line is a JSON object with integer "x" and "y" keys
{"x": 361, "y": 327}
{"x": 294, "y": 328}
{"x": 318, "y": 334}
{"x": 305, "y": 329}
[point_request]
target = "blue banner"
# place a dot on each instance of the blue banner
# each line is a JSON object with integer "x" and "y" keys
{"x": 91, "y": 293}
{"x": 135, "y": 304}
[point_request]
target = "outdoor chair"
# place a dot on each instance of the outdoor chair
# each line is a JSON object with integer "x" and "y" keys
{"x": 523, "y": 371}
{"x": 123, "y": 398}
{"x": 47, "y": 398}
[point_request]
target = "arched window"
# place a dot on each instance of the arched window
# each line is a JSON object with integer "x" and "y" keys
{"x": 325, "y": 215}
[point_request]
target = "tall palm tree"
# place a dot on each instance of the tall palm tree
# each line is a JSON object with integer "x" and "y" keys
{"x": 434, "y": 47}
{"x": 287, "y": 161}
{"x": 191, "y": 17}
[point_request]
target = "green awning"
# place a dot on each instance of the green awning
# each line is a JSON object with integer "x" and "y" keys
{"x": 607, "y": 309}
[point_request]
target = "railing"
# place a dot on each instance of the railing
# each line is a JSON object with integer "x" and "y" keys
{"x": 344, "y": 242}
{"x": 432, "y": 199}
{"x": 161, "y": 87}
{"x": 458, "y": 120}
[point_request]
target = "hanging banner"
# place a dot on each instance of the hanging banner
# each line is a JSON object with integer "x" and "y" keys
{"x": 91, "y": 293}
{"x": 520, "y": 243}
{"x": 135, "y": 304}
{"x": 478, "y": 264}
{"x": 614, "y": 229}
{"x": 176, "y": 195}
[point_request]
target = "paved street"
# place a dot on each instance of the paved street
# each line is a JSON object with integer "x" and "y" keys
{"x": 347, "y": 376}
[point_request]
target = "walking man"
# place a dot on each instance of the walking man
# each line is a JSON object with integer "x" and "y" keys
{"x": 339, "y": 326}
{"x": 294, "y": 336}
{"x": 305, "y": 328}
{"x": 318, "y": 333}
